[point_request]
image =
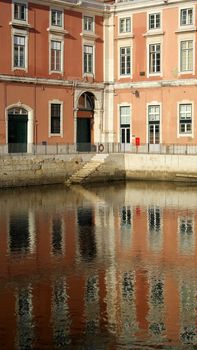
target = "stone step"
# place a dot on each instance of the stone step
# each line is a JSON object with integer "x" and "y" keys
{"x": 87, "y": 169}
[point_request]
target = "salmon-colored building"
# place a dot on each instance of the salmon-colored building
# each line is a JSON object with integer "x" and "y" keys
{"x": 89, "y": 72}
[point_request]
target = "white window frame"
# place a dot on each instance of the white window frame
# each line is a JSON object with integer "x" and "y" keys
{"x": 60, "y": 39}
{"x": 154, "y": 70}
{"x": 89, "y": 43}
{"x": 154, "y": 13}
{"x": 23, "y": 33}
{"x": 60, "y": 134}
{"x": 153, "y": 103}
{"x": 186, "y": 37}
{"x": 124, "y": 104}
{"x": 154, "y": 41}
{"x": 93, "y": 24}
{"x": 55, "y": 26}
{"x": 22, "y": 2}
{"x": 126, "y": 74}
{"x": 125, "y": 18}
{"x": 185, "y": 102}
{"x": 186, "y": 26}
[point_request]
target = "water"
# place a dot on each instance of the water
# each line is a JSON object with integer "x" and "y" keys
{"x": 99, "y": 267}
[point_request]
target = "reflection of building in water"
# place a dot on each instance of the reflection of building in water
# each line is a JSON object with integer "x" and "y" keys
{"x": 57, "y": 233}
{"x": 126, "y": 225}
{"x": 60, "y": 314}
{"x": 186, "y": 234}
{"x": 155, "y": 234}
{"x": 22, "y": 233}
{"x": 86, "y": 233}
{"x": 128, "y": 305}
{"x": 156, "y": 306}
{"x": 118, "y": 271}
{"x": 24, "y": 312}
{"x": 188, "y": 305}
{"x": 92, "y": 304}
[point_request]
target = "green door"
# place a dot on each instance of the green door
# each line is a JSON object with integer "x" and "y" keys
{"x": 83, "y": 135}
{"x": 17, "y": 133}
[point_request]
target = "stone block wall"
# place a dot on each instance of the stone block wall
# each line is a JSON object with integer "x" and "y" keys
{"x": 37, "y": 170}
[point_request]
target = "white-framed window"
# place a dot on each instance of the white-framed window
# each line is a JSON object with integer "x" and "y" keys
{"x": 88, "y": 23}
{"x": 19, "y": 49}
{"x": 155, "y": 58}
{"x": 125, "y": 60}
{"x": 56, "y": 55}
{"x": 154, "y": 21}
{"x": 154, "y": 123}
{"x": 56, "y": 18}
{"x": 186, "y": 56}
{"x": 186, "y": 16}
{"x": 20, "y": 11}
{"x": 88, "y": 59}
{"x": 185, "y": 118}
{"x": 125, "y": 124}
{"x": 56, "y": 116}
{"x": 125, "y": 25}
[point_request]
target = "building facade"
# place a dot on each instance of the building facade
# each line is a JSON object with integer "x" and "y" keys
{"x": 89, "y": 72}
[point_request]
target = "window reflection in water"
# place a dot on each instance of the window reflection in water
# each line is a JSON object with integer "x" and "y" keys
{"x": 24, "y": 318}
{"x": 126, "y": 225}
{"x": 57, "y": 236}
{"x": 128, "y": 304}
{"x": 154, "y": 228}
{"x": 186, "y": 234}
{"x": 188, "y": 304}
{"x": 92, "y": 304}
{"x": 156, "y": 312}
{"x": 21, "y": 233}
{"x": 86, "y": 229}
{"x": 60, "y": 314}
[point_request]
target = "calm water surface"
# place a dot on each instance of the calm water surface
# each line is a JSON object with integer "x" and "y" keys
{"x": 110, "y": 267}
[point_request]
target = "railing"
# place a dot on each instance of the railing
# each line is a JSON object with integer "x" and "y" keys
{"x": 63, "y": 149}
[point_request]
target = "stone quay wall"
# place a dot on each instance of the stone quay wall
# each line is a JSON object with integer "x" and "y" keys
{"x": 39, "y": 170}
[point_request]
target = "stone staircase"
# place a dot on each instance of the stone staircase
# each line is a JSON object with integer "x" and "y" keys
{"x": 81, "y": 175}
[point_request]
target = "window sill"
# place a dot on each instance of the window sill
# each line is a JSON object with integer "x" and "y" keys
{"x": 188, "y": 72}
{"x": 154, "y": 75}
{"x": 20, "y": 24}
{"x": 56, "y": 135}
{"x": 186, "y": 30}
{"x": 125, "y": 36}
{"x": 153, "y": 33}
{"x": 89, "y": 77}
{"x": 89, "y": 35}
{"x": 125, "y": 77}
{"x": 56, "y": 72}
{"x": 20, "y": 69}
{"x": 59, "y": 31}
{"x": 186, "y": 135}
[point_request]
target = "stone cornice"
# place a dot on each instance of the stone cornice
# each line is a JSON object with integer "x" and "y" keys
{"x": 55, "y": 82}
{"x": 145, "y": 4}
{"x": 155, "y": 84}
{"x": 90, "y": 5}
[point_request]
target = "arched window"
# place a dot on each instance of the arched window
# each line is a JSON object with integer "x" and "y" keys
{"x": 17, "y": 111}
{"x": 86, "y": 101}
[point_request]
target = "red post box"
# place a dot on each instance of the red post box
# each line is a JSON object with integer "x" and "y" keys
{"x": 137, "y": 141}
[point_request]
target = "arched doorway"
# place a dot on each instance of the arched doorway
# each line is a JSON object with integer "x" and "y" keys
{"x": 85, "y": 117}
{"x": 17, "y": 130}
